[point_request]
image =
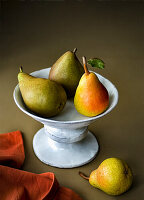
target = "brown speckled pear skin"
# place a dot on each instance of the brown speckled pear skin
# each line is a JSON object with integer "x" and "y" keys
{"x": 113, "y": 176}
{"x": 67, "y": 71}
{"x": 44, "y": 97}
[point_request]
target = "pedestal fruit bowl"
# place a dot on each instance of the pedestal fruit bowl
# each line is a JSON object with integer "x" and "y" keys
{"x": 65, "y": 141}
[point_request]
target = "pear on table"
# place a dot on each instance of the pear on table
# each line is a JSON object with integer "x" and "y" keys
{"x": 91, "y": 97}
{"x": 42, "y": 96}
{"x": 67, "y": 71}
{"x": 113, "y": 176}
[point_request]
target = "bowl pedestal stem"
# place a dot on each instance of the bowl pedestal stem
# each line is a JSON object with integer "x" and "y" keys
{"x": 65, "y": 147}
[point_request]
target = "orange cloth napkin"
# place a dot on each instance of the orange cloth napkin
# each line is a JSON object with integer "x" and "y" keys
{"x": 17, "y": 184}
{"x": 12, "y": 149}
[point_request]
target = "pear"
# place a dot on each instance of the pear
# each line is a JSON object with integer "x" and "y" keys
{"x": 113, "y": 176}
{"x": 67, "y": 71}
{"x": 42, "y": 96}
{"x": 91, "y": 97}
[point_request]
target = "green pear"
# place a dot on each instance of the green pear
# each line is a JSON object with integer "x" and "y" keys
{"x": 42, "y": 96}
{"x": 67, "y": 71}
{"x": 113, "y": 176}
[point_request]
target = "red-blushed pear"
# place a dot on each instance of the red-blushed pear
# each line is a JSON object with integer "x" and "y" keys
{"x": 91, "y": 97}
{"x": 113, "y": 176}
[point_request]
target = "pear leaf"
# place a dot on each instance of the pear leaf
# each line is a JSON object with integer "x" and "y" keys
{"x": 96, "y": 62}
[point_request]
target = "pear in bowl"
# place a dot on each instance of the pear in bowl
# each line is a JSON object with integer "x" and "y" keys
{"x": 44, "y": 97}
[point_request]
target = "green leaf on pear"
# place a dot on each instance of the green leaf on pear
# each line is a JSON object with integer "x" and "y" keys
{"x": 96, "y": 62}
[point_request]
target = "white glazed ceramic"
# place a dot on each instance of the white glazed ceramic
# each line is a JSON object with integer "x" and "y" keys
{"x": 65, "y": 141}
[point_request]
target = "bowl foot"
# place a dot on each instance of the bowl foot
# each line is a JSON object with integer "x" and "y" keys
{"x": 64, "y": 155}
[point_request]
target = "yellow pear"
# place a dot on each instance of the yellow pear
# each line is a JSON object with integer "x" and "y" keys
{"x": 113, "y": 176}
{"x": 42, "y": 96}
{"x": 91, "y": 97}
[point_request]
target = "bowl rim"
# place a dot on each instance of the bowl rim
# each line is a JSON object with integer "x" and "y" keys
{"x": 48, "y": 120}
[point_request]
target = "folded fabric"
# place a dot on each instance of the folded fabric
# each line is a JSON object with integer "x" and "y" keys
{"x": 12, "y": 149}
{"x": 17, "y": 184}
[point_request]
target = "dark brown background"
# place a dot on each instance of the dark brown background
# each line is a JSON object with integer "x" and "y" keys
{"x": 35, "y": 33}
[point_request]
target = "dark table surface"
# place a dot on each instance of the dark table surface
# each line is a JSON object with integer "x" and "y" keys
{"x": 34, "y": 34}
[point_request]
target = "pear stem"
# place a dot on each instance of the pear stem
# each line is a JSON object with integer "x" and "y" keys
{"x": 85, "y": 65}
{"x": 75, "y": 49}
{"x": 83, "y": 175}
{"x": 21, "y": 69}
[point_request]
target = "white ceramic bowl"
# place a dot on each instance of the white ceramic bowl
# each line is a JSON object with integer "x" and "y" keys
{"x": 65, "y": 141}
